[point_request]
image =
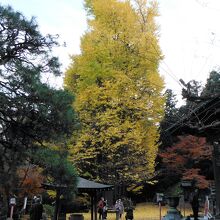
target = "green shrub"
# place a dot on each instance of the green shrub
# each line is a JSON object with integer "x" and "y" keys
{"x": 49, "y": 210}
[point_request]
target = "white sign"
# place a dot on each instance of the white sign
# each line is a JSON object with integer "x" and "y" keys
{"x": 12, "y": 201}
{"x": 160, "y": 197}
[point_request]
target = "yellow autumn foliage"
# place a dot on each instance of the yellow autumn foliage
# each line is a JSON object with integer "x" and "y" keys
{"x": 118, "y": 89}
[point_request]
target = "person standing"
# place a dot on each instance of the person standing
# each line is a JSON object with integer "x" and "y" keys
{"x": 121, "y": 205}
{"x": 195, "y": 204}
{"x": 36, "y": 210}
{"x": 100, "y": 208}
{"x": 119, "y": 208}
{"x": 129, "y": 210}
{"x": 105, "y": 210}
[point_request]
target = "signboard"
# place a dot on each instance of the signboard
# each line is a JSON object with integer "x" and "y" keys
{"x": 160, "y": 197}
{"x": 12, "y": 201}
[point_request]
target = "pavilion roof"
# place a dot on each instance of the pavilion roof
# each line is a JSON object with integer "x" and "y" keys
{"x": 83, "y": 185}
{"x": 88, "y": 185}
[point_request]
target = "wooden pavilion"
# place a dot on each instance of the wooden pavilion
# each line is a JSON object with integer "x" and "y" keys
{"x": 83, "y": 186}
{"x": 92, "y": 188}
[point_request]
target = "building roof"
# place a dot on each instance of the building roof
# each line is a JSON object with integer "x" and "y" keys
{"x": 83, "y": 185}
{"x": 203, "y": 120}
{"x": 87, "y": 185}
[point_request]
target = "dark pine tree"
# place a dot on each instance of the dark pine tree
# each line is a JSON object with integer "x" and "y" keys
{"x": 31, "y": 112}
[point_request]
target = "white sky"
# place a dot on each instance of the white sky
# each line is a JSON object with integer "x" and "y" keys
{"x": 189, "y": 33}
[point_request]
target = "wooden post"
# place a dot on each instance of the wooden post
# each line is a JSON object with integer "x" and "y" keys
{"x": 216, "y": 167}
{"x": 92, "y": 206}
{"x": 95, "y": 204}
{"x": 184, "y": 208}
{"x": 12, "y": 204}
{"x": 11, "y": 212}
{"x": 57, "y": 204}
{"x": 160, "y": 209}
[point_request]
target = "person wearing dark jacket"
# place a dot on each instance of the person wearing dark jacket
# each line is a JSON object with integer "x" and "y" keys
{"x": 195, "y": 204}
{"x": 36, "y": 210}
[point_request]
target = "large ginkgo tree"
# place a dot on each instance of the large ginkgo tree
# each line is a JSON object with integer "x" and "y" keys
{"x": 118, "y": 88}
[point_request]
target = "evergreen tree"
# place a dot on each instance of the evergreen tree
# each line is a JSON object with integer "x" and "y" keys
{"x": 212, "y": 87}
{"x": 118, "y": 92}
{"x": 57, "y": 169}
{"x": 31, "y": 112}
{"x": 170, "y": 117}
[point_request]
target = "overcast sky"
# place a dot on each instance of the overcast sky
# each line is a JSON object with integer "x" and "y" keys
{"x": 189, "y": 33}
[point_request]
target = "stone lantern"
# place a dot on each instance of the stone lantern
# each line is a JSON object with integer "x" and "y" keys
{"x": 173, "y": 213}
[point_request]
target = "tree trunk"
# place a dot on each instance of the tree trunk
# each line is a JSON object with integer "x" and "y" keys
{"x": 4, "y": 202}
{"x": 57, "y": 204}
